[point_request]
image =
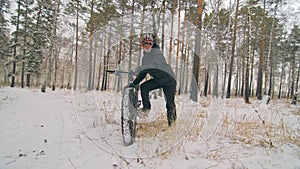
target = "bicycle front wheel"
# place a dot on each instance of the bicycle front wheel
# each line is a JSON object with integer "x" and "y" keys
{"x": 128, "y": 116}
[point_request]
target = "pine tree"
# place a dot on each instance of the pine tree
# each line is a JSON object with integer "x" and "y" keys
{"x": 75, "y": 8}
{"x": 16, "y": 22}
{"x": 91, "y": 27}
{"x": 196, "y": 66}
{"x": 233, "y": 50}
{"x": 293, "y": 42}
{"x": 4, "y": 38}
{"x": 37, "y": 45}
{"x": 261, "y": 58}
{"x": 50, "y": 14}
{"x": 25, "y": 35}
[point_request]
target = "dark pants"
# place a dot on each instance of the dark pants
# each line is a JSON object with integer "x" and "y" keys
{"x": 169, "y": 91}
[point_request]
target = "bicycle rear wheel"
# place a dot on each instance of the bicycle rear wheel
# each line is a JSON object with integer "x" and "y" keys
{"x": 128, "y": 115}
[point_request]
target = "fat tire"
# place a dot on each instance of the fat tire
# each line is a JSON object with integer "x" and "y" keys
{"x": 128, "y": 115}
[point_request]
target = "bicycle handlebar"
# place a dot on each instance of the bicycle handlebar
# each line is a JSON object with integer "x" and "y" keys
{"x": 117, "y": 71}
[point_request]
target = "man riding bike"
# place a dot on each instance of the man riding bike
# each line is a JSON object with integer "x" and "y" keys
{"x": 154, "y": 64}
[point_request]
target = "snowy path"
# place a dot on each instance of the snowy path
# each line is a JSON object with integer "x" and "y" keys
{"x": 52, "y": 131}
{"x": 39, "y": 131}
{"x": 31, "y": 129}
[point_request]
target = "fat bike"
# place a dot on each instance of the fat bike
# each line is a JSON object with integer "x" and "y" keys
{"x": 129, "y": 109}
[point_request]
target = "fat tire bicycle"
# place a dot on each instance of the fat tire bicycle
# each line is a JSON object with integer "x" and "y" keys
{"x": 130, "y": 104}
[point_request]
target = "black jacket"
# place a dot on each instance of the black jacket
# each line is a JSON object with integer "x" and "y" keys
{"x": 154, "y": 63}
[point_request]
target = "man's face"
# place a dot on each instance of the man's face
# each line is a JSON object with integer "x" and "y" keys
{"x": 147, "y": 46}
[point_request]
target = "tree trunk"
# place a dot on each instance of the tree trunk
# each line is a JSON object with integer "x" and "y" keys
{"x": 178, "y": 41}
{"x": 244, "y": 58}
{"x": 13, "y": 74}
{"x": 183, "y": 53}
{"x": 57, "y": 47}
{"x": 172, "y": 29}
{"x": 289, "y": 80}
{"x": 216, "y": 81}
{"x": 292, "y": 80}
{"x": 206, "y": 80}
{"x": 247, "y": 91}
{"x": 252, "y": 69}
{"x": 131, "y": 37}
{"x": 280, "y": 81}
{"x": 237, "y": 77}
{"x": 94, "y": 64}
{"x": 298, "y": 76}
{"x": 187, "y": 67}
{"x": 55, "y": 67}
{"x": 63, "y": 77}
{"x": 119, "y": 53}
{"x": 224, "y": 79}
{"x": 106, "y": 61}
{"x": 226, "y": 56}
{"x": 23, "y": 62}
{"x": 99, "y": 67}
{"x": 76, "y": 47}
{"x": 47, "y": 80}
{"x": 70, "y": 61}
{"x": 219, "y": 55}
{"x": 141, "y": 33}
{"x": 270, "y": 54}
{"x": 247, "y": 85}
{"x": 28, "y": 80}
{"x": 196, "y": 65}
{"x": 163, "y": 26}
{"x": 232, "y": 50}
{"x": 24, "y": 45}
{"x": 91, "y": 37}
{"x": 105, "y": 68}
{"x": 99, "y": 77}
{"x": 261, "y": 60}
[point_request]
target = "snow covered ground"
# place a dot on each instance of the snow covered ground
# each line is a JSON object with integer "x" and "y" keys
{"x": 81, "y": 130}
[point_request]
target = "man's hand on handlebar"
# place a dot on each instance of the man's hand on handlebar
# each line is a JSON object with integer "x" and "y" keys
{"x": 134, "y": 86}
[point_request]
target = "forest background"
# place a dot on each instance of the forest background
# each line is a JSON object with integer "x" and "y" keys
{"x": 240, "y": 48}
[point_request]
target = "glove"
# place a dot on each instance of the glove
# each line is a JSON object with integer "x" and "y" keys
{"x": 133, "y": 85}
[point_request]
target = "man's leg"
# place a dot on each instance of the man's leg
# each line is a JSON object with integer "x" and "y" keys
{"x": 169, "y": 92}
{"x": 146, "y": 87}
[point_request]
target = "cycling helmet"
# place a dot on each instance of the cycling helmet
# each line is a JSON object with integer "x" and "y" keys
{"x": 147, "y": 40}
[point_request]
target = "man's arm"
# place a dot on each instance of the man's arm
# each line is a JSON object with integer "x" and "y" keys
{"x": 142, "y": 74}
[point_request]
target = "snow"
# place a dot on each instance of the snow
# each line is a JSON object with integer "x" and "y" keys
{"x": 81, "y": 130}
